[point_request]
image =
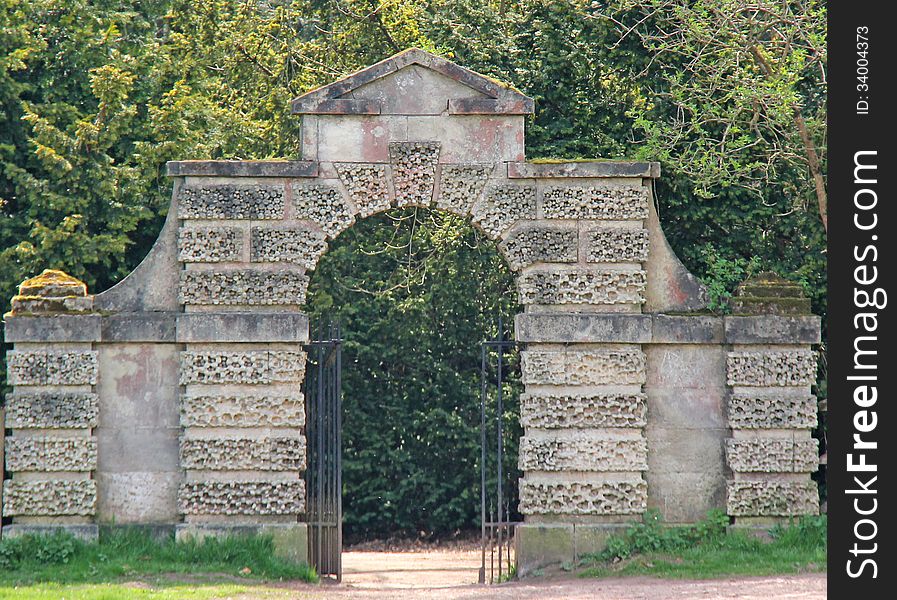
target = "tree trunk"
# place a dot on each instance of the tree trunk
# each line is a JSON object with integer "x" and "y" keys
{"x": 815, "y": 168}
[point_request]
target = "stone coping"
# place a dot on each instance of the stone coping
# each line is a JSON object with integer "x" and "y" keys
{"x": 666, "y": 329}
{"x": 241, "y": 168}
{"x": 172, "y": 327}
{"x": 595, "y": 168}
{"x": 165, "y": 328}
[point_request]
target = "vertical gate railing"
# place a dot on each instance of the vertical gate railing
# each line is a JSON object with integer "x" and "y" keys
{"x": 497, "y": 528}
{"x": 323, "y": 431}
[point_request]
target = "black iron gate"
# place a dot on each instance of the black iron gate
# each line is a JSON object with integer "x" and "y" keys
{"x": 323, "y": 431}
{"x": 497, "y": 525}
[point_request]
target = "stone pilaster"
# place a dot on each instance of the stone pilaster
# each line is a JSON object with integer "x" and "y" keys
{"x": 771, "y": 410}
{"x": 53, "y": 409}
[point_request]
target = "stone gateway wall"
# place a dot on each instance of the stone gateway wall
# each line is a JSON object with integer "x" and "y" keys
{"x": 175, "y": 397}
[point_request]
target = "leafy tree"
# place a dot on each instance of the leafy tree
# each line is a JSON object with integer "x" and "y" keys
{"x": 743, "y": 88}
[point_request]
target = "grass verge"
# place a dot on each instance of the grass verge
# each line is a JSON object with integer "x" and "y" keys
{"x": 706, "y": 550}
{"x": 130, "y": 554}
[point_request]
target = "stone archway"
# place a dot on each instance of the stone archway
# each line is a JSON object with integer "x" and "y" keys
{"x": 193, "y": 362}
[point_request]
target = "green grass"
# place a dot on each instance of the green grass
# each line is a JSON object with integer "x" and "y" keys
{"x": 126, "y": 555}
{"x": 706, "y": 550}
{"x": 108, "y": 591}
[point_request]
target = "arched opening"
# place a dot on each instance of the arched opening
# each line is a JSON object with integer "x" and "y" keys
{"x": 415, "y": 292}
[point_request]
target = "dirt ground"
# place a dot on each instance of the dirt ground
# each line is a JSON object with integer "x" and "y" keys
{"x": 452, "y": 575}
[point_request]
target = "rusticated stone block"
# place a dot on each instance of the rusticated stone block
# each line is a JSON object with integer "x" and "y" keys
{"x": 771, "y": 498}
{"x": 595, "y": 202}
{"x": 209, "y": 244}
{"x": 243, "y": 287}
{"x": 613, "y": 497}
{"x": 504, "y": 205}
{"x": 323, "y": 204}
{"x": 460, "y": 186}
{"x": 577, "y": 452}
{"x": 550, "y": 411}
{"x": 51, "y": 367}
{"x": 582, "y": 286}
{"x": 243, "y": 411}
{"x": 250, "y": 454}
{"x": 617, "y": 244}
{"x": 367, "y": 186}
{"x": 298, "y": 245}
{"x": 414, "y": 171}
{"x": 51, "y": 454}
{"x": 771, "y": 368}
{"x": 51, "y": 410}
{"x": 583, "y": 367}
{"x": 231, "y": 202}
{"x": 772, "y": 455}
{"x": 772, "y": 411}
{"x": 49, "y": 498}
{"x": 242, "y": 498}
{"x": 540, "y": 243}
{"x": 255, "y": 367}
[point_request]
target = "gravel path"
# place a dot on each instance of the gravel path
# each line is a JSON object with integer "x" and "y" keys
{"x": 449, "y": 576}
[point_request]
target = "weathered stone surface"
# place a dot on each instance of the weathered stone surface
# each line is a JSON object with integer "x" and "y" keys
{"x": 52, "y": 283}
{"x": 540, "y": 243}
{"x": 242, "y": 498}
{"x": 773, "y": 329}
{"x": 241, "y": 327}
{"x": 771, "y": 411}
{"x": 243, "y": 411}
{"x": 772, "y": 455}
{"x": 243, "y": 287}
{"x": 771, "y": 498}
{"x": 617, "y": 244}
{"x": 367, "y": 186}
{"x": 768, "y": 293}
{"x": 582, "y": 168}
{"x": 323, "y": 204}
{"x": 298, "y": 245}
{"x": 51, "y": 367}
{"x": 595, "y": 202}
{"x": 251, "y": 454}
{"x": 231, "y": 202}
{"x": 45, "y": 453}
{"x": 414, "y": 171}
{"x": 581, "y": 286}
{"x": 560, "y": 411}
{"x": 612, "y": 497}
{"x": 50, "y": 498}
{"x": 570, "y": 327}
{"x": 52, "y": 328}
{"x": 209, "y": 244}
{"x": 771, "y": 368}
{"x": 460, "y": 186}
{"x": 258, "y": 367}
{"x": 542, "y": 544}
{"x": 686, "y": 329}
{"x": 51, "y": 410}
{"x": 583, "y": 367}
{"x": 241, "y": 168}
{"x": 579, "y": 452}
{"x": 157, "y": 327}
{"x": 504, "y": 205}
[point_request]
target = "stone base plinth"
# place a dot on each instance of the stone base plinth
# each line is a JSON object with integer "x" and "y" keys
{"x": 86, "y": 532}
{"x": 552, "y": 545}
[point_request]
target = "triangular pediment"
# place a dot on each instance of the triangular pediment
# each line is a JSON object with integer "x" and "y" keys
{"x": 414, "y": 82}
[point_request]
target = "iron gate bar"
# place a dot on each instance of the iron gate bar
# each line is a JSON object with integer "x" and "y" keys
{"x": 500, "y": 528}
{"x": 323, "y": 387}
